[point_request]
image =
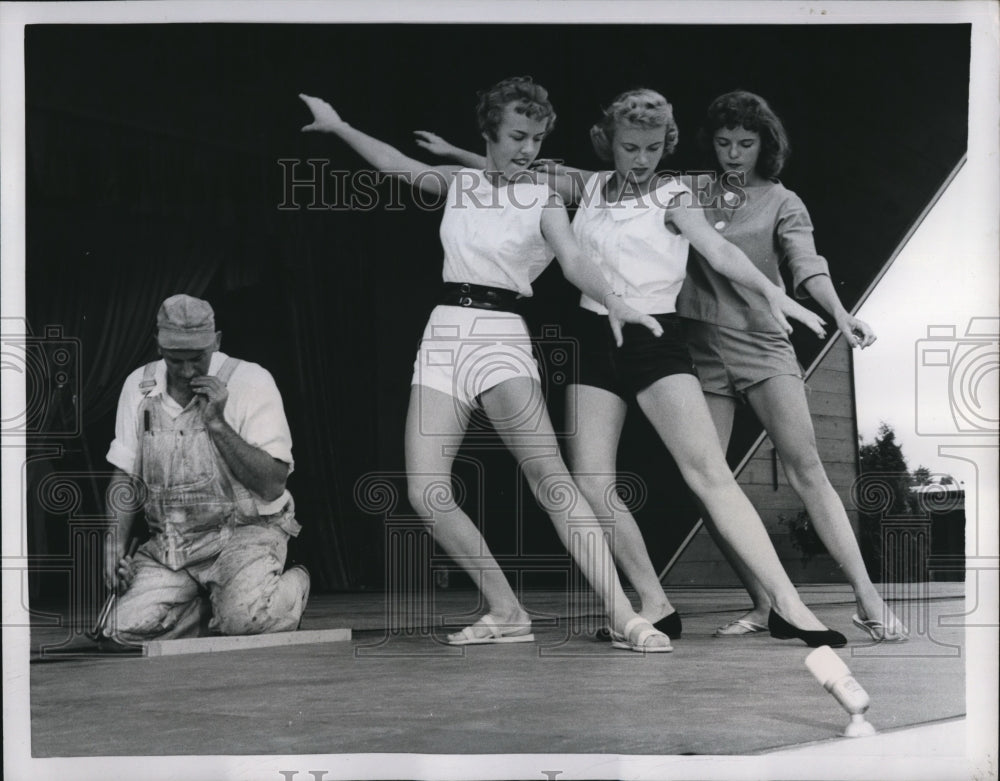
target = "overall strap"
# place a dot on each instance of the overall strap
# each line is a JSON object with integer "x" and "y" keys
{"x": 146, "y": 386}
{"x": 228, "y": 367}
{"x": 148, "y": 378}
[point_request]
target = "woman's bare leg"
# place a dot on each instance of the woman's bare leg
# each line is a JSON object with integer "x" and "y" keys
{"x": 781, "y": 406}
{"x": 435, "y": 427}
{"x": 599, "y": 416}
{"x": 676, "y": 407}
{"x": 517, "y": 410}
{"x": 723, "y": 410}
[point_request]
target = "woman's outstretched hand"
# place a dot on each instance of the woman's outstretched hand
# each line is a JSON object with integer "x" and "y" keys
{"x": 784, "y": 308}
{"x": 857, "y": 332}
{"x": 433, "y": 143}
{"x": 325, "y": 117}
{"x": 619, "y": 312}
{"x": 545, "y": 165}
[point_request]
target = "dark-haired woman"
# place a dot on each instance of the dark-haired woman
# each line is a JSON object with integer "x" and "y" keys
{"x": 742, "y": 356}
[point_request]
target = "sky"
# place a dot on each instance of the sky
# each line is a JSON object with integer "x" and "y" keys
{"x": 945, "y": 275}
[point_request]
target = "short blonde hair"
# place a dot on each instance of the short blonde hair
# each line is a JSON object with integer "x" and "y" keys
{"x": 641, "y": 108}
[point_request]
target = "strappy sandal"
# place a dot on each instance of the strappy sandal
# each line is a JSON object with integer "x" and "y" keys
{"x": 670, "y": 625}
{"x": 498, "y": 633}
{"x": 739, "y": 628}
{"x": 627, "y": 642}
{"x": 878, "y": 632}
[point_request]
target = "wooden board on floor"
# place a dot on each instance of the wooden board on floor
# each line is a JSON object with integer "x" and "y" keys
{"x": 206, "y": 645}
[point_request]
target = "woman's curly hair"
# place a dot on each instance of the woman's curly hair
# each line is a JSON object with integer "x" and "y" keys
{"x": 751, "y": 112}
{"x": 639, "y": 108}
{"x": 528, "y": 98}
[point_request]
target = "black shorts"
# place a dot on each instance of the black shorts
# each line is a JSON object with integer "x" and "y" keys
{"x": 641, "y": 360}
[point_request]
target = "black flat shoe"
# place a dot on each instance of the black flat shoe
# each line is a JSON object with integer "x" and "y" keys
{"x": 669, "y": 625}
{"x": 782, "y": 630}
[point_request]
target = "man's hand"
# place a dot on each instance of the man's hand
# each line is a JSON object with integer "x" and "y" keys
{"x": 212, "y": 396}
{"x": 119, "y": 569}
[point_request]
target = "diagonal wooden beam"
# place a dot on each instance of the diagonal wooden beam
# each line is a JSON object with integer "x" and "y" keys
{"x": 829, "y": 345}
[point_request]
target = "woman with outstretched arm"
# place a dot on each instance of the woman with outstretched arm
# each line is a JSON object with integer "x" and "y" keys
{"x": 498, "y": 226}
{"x": 639, "y": 225}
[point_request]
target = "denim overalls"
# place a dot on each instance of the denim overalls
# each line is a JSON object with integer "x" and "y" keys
{"x": 207, "y": 536}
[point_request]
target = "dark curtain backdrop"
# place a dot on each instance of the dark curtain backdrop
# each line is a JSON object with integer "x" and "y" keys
{"x": 154, "y": 166}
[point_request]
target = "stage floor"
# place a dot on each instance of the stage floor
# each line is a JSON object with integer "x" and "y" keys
{"x": 565, "y": 694}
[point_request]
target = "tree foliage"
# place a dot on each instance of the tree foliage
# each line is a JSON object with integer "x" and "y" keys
{"x": 883, "y": 460}
{"x": 883, "y": 491}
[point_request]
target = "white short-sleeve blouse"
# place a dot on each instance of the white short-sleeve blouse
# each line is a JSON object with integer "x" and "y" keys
{"x": 644, "y": 262}
{"x": 492, "y": 235}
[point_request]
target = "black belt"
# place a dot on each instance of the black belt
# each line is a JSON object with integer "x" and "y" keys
{"x": 480, "y": 297}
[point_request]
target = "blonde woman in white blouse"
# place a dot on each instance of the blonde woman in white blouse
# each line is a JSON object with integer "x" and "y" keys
{"x": 497, "y": 230}
{"x": 638, "y": 225}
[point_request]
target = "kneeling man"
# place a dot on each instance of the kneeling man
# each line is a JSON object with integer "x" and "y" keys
{"x": 203, "y": 447}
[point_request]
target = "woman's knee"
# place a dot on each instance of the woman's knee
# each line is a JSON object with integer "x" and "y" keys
{"x": 706, "y": 477}
{"x": 428, "y": 497}
{"x": 805, "y": 470}
{"x": 551, "y": 483}
{"x": 596, "y": 485}
{"x": 548, "y": 472}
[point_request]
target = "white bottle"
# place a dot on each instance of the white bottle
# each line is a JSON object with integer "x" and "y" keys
{"x": 836, "y": 678}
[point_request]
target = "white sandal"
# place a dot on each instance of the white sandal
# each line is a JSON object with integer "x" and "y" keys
{"x": 499, "y": 633}
{"x": 740, "y": 628}
{"x": 625, "y": 641}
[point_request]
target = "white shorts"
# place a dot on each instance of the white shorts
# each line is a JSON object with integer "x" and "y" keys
{"x": 466, "y": 351}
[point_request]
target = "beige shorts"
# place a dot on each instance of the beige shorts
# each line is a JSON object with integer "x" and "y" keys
{"x": 466, "y": 351}
{"x": 730, "y": 360}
